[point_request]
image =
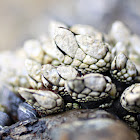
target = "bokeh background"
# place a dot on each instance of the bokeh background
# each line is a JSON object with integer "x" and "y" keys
{"x": 25, "y": 19}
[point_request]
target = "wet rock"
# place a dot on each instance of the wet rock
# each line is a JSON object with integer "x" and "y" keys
{"x": 41, "y": 128}
{"x": 99, "y": 129}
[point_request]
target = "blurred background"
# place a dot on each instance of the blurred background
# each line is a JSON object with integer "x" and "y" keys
{"x": 22, "y": 20}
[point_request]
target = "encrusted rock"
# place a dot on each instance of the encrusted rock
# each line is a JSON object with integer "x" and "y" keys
{"x": 62, "y": 73}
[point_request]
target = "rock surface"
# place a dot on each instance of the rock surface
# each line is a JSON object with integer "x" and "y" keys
{"x": 88, "y": 120}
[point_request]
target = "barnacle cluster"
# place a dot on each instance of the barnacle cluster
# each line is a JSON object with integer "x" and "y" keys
{"x": 80, "y": 67}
